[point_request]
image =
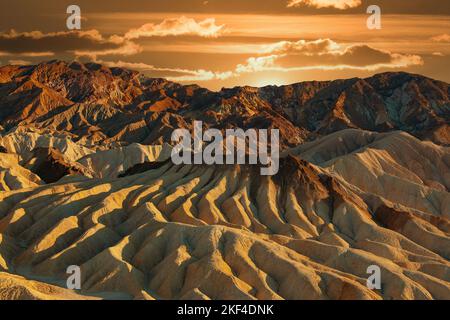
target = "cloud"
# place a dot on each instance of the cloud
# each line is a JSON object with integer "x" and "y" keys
{"x": 202, "y": 75}
{"x": 177, "y": 27}
{"x": 256, "y": 64}
{"x": 75, "y": 42}
{"x": 337, "y": 4}
{"x": 319, "y": 46}
{"x": 324, "y": 54}
{"x": 287, "y": 56}
{"x": 330, "y": 52}
{"x": 30, "y": 54}
{"x": 37, "y": 35}
{"x": 401, "y": 62}
{"x": 92, "y": 43}
{"x": 184, "y": 75}
{"x": 19, "y": 62}
{"x": 282, "y": 56}
{"x": 127, "y": 49}
{"x": 441, "y": 38}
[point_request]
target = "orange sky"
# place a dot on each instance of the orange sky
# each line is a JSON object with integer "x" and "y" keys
{"x": 244, "y": 43}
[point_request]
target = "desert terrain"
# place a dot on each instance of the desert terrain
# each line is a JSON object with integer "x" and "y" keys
{"x": 86, "y": 179}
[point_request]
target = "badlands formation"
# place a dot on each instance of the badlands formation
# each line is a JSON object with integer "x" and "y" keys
{"x": 86, "y": 179}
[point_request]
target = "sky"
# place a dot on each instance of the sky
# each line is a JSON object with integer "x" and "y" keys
{"x": 226, "y": 43}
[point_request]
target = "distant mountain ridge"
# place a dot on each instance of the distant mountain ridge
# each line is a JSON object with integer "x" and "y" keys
{"x": 104, "y": 104}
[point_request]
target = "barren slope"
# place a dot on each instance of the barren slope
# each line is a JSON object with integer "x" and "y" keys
{"x": 226, "y": 232}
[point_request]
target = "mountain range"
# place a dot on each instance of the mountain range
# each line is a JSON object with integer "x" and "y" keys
{"x": 86, "y": 179}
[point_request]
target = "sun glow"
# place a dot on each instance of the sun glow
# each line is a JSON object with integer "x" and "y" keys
{"x": 269, "y": 81}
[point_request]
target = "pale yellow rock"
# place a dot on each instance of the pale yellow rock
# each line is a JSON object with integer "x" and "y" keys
{"x": 225, "y": 232}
